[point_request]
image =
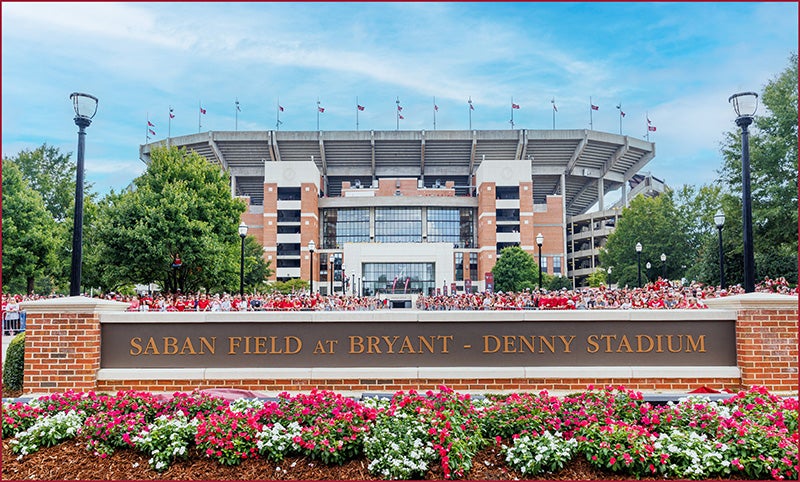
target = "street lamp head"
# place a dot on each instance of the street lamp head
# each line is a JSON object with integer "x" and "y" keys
{"x": 85, "y": 106}
{"x": 539, "y": 239}
{"x": 719, "y": 219}
{"x": 242, "y": 229}
{"x": 609, "y": 270}
{"x": 311, "y": 246}
{"x": 744, "y": 103}
{"x": 648, "y": 265}
{"x": 331, "y": 259}
{"x": 638, "y": 247}
{"x": 663, "y": 257}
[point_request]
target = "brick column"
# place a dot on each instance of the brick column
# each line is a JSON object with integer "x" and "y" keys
{"x": 62, "y": 343}
{"x": 766, "y": 338}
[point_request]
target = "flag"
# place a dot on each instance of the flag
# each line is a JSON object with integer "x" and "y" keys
{"x": 152, "y": 131}
{"x": 399, "y": 108}
{"x": 622, "y": 113}
{"x": 171, "y": 115}
{"x": 150, "y": 124}
{"x": 360, "y": 107}
{"x": 401, "y": 116}
{"x": 280, "y": 107}
{"x": 554, "y": 106}
{"x": 471, "y": 107}
{"x": 595, "y": 107}
{"x": 435, "y": 107}
{"x": 202, "y": 111}
{"x": 238, "y": 109}
{"x": 651, "y": 128}
{"x": 321, "y": 109}
{"x": 648, "y": 120}
{"x": 514, "y": 106}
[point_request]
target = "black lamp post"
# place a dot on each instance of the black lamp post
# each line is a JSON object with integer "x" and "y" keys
{"x": 609, "y": 276}
{"x": 648, "y": 266}
{"x": 330, "y": 275}
{"x": 242, "y": 234}
{"x": 745, "y": 104}
{"x": 85, "y": 106}
{"x": 539, "y": 242}
{"x": 719, "y": 220}
{"x": 311, "y": 248}
{"x": 664, "y": 266}
{"x": 639, "y": 262}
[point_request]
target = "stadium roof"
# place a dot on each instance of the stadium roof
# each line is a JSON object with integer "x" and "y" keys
{"x": 582, "y": 155}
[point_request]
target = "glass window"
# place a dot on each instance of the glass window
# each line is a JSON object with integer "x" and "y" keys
{"x": 508, "y": 215}
{"x": 451, "y": 225}
{"x": 398, "y": 278}
{"x": 473, "y": 266}
{"x": 344, "y": 226}
{"x": 288, "y": 194}
{"x": 290, "y": 229}
{"x": 398, "y": 225}
{"x": 544, "y": 263}
{"x": 557, "y": 265}
{"x": 288, "y": 215}
{"x": 288, "y": 249}
{"x": 459, "y": 265}
{"x": 507, "y": 192}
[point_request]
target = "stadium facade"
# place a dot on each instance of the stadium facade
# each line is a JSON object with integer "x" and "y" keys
{"x": 420, "y": 211}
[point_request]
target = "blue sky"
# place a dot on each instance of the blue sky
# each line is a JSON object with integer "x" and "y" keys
{"x": 676, "y": 62}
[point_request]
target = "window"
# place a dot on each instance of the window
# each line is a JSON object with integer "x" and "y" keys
{"x": 288, "y": 263}
{"x": 288, "y": 249}
{"x": 398, "y": 225}
{"x": 291, "y": 229}
{"x": 544, "y": 263}
{"x": 459, "y": 266}
{"x": 344, "y": 226}
{"x": 451, "y": 225}
{"x": 557, "y": 265}
{"x": 508, "y": 215}
{"x": 288, "y": 194}
{"x": 288, "y": 215}
{"x": 507, "y": 192}
{"x": 473, "y": 266}
{"x": 398, "y": 278}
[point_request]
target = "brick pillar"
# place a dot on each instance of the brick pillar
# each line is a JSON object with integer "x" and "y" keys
{"x": 766, "y": 338}
{"x": 62, "y": 343}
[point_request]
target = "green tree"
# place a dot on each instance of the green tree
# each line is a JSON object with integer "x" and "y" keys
{"x": 52, "y": 175}
{"x": 29, "y": 241}
{"x": 658, "y": 226}
{"x": 773, "y": 174}
{"x": 180, "y": 206}
{"x": 515, "y": 270}
{"x": 597, "y": 278}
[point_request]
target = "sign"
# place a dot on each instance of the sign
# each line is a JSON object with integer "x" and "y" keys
{"x": 303, "y": 344}
{"x": 468, "y": 285}
{"x": 489, "y": 279}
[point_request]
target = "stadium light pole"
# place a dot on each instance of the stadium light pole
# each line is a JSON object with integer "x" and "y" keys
{"x": 242, "y": 234}
{"x": 745, "y": 105}
{"x": 664, "y": 265}
{"x": 719, "y": 220}
{"x": 639, "y": 262}
{"x": 311, "y": 248}
{"x": 539, "y": 242}
{"x": 330, "y": 275}
{"x": 85, "y": 106}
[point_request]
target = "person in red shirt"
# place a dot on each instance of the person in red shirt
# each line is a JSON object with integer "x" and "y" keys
{"x": 202, "y": 303}
{"x": 180, "y": 304}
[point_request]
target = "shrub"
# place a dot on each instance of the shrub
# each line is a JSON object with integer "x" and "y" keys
{"x": 14, "y": 367}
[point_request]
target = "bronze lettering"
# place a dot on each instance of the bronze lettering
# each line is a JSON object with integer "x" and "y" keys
{"x": 624, "y": 341}
{"x": 550, "y": 345}
{"x": 136, "y": 348}
{"x": 187, "y": 343}
{"x": 423, "y": 340}
{"x": 298, "y": 343}
{"x": 496, "y": 341}
{"x": 151, "y": 348}
{"x": 170, "y": 345}
{"x": 529, "y": 342}
{"x": 701, "y": 343}
{"x": 356, "y": 341}
{"x": 592, "y": 341}
{"x": 669, "y": 344}
{"x": 567, "y": 343}
{"x": 261, "y": 345}
{"x": 639, "y": 339}
{"x": 508, "y": 344}
{"x": 608, "y": 339}
{"x": 233, "y": 344}
{"x": 407, "y": 345}
{"x": 445, "y": 339}
{"x": 391, "y": 343}
{"x": 660, "y": 349}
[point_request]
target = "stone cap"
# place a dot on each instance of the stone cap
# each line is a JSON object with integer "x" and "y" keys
{"x": 72, "y": 304}
{"x": 754, "y": 301}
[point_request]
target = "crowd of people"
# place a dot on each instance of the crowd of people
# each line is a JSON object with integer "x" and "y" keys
{"x": 661, "y": 294}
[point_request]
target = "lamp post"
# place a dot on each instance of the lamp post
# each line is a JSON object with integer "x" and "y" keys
{"x": 647, "y": 266}
{"x": 85, "y": 106}
{"x": 330, "y": 275}
{"x": 664, "y": 266}
{"x": 539, "y": 242}
{"x": 745, "y": 105}
{"x": 719, "y": 220}
{"x": 242, "y": 234}
{"x": 609, "y": 276}
{"x": 311, "y": 248}
{"x": 353, "y": 281}
{"x": 639, "y": 262}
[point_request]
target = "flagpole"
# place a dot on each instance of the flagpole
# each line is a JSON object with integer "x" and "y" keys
{"x": 512, "y": 113}
{"x": 169, "y": 125}
{"x": 553, "y": 101}
{"x": 236, "y": 116}
{"x": 317, "y": 116}
{"x": 647, "y": 116}
{"x": 470, "y": 112}
{"x": 590, "y": 113}
{"x": 398, "y": 113}
{"x": 357, "y": 104}
{"x": 278, "y": 115}
{"x": 434, "y": 113}
{"x": 619, "y": 106}
{"x": 147, "y": 129}
{"x": 199, "y": 112}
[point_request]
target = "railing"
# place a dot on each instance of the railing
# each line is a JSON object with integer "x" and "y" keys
{"x": 13, "y": 322}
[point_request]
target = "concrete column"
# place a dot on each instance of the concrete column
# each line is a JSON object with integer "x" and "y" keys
{"x": 601, "y": 193}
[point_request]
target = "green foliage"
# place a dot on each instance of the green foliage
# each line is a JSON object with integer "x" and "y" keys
{"x": 597, "y": 278}
{"x": 51, "y": 174}
{"x": 513, "y": 269}
{"x": 658, "y": 226}
{"x": 14, "y": 366}
{"x": 180, "y": 207}
{"x": 555, "y": 283}
{"x": 28, "y": 232}
{"x": 285, "y": 287}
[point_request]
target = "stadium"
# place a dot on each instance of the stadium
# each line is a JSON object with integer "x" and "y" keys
{"x": 398, "y": 212}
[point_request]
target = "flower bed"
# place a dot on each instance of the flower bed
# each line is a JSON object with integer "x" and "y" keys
{"x": 753, "y": 434}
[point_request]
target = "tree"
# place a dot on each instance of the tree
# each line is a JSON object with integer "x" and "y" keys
{"x": 51, "y": 174}
{"x": 773, "y": 173}
{"x": 28, "y": 232}
{"x": 657, "y": 225}
{"x": 515, "y": 270}
{"x": 180, "y": 207}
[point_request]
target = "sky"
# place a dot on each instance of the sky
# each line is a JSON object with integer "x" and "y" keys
{"x": 674, "y": 63}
